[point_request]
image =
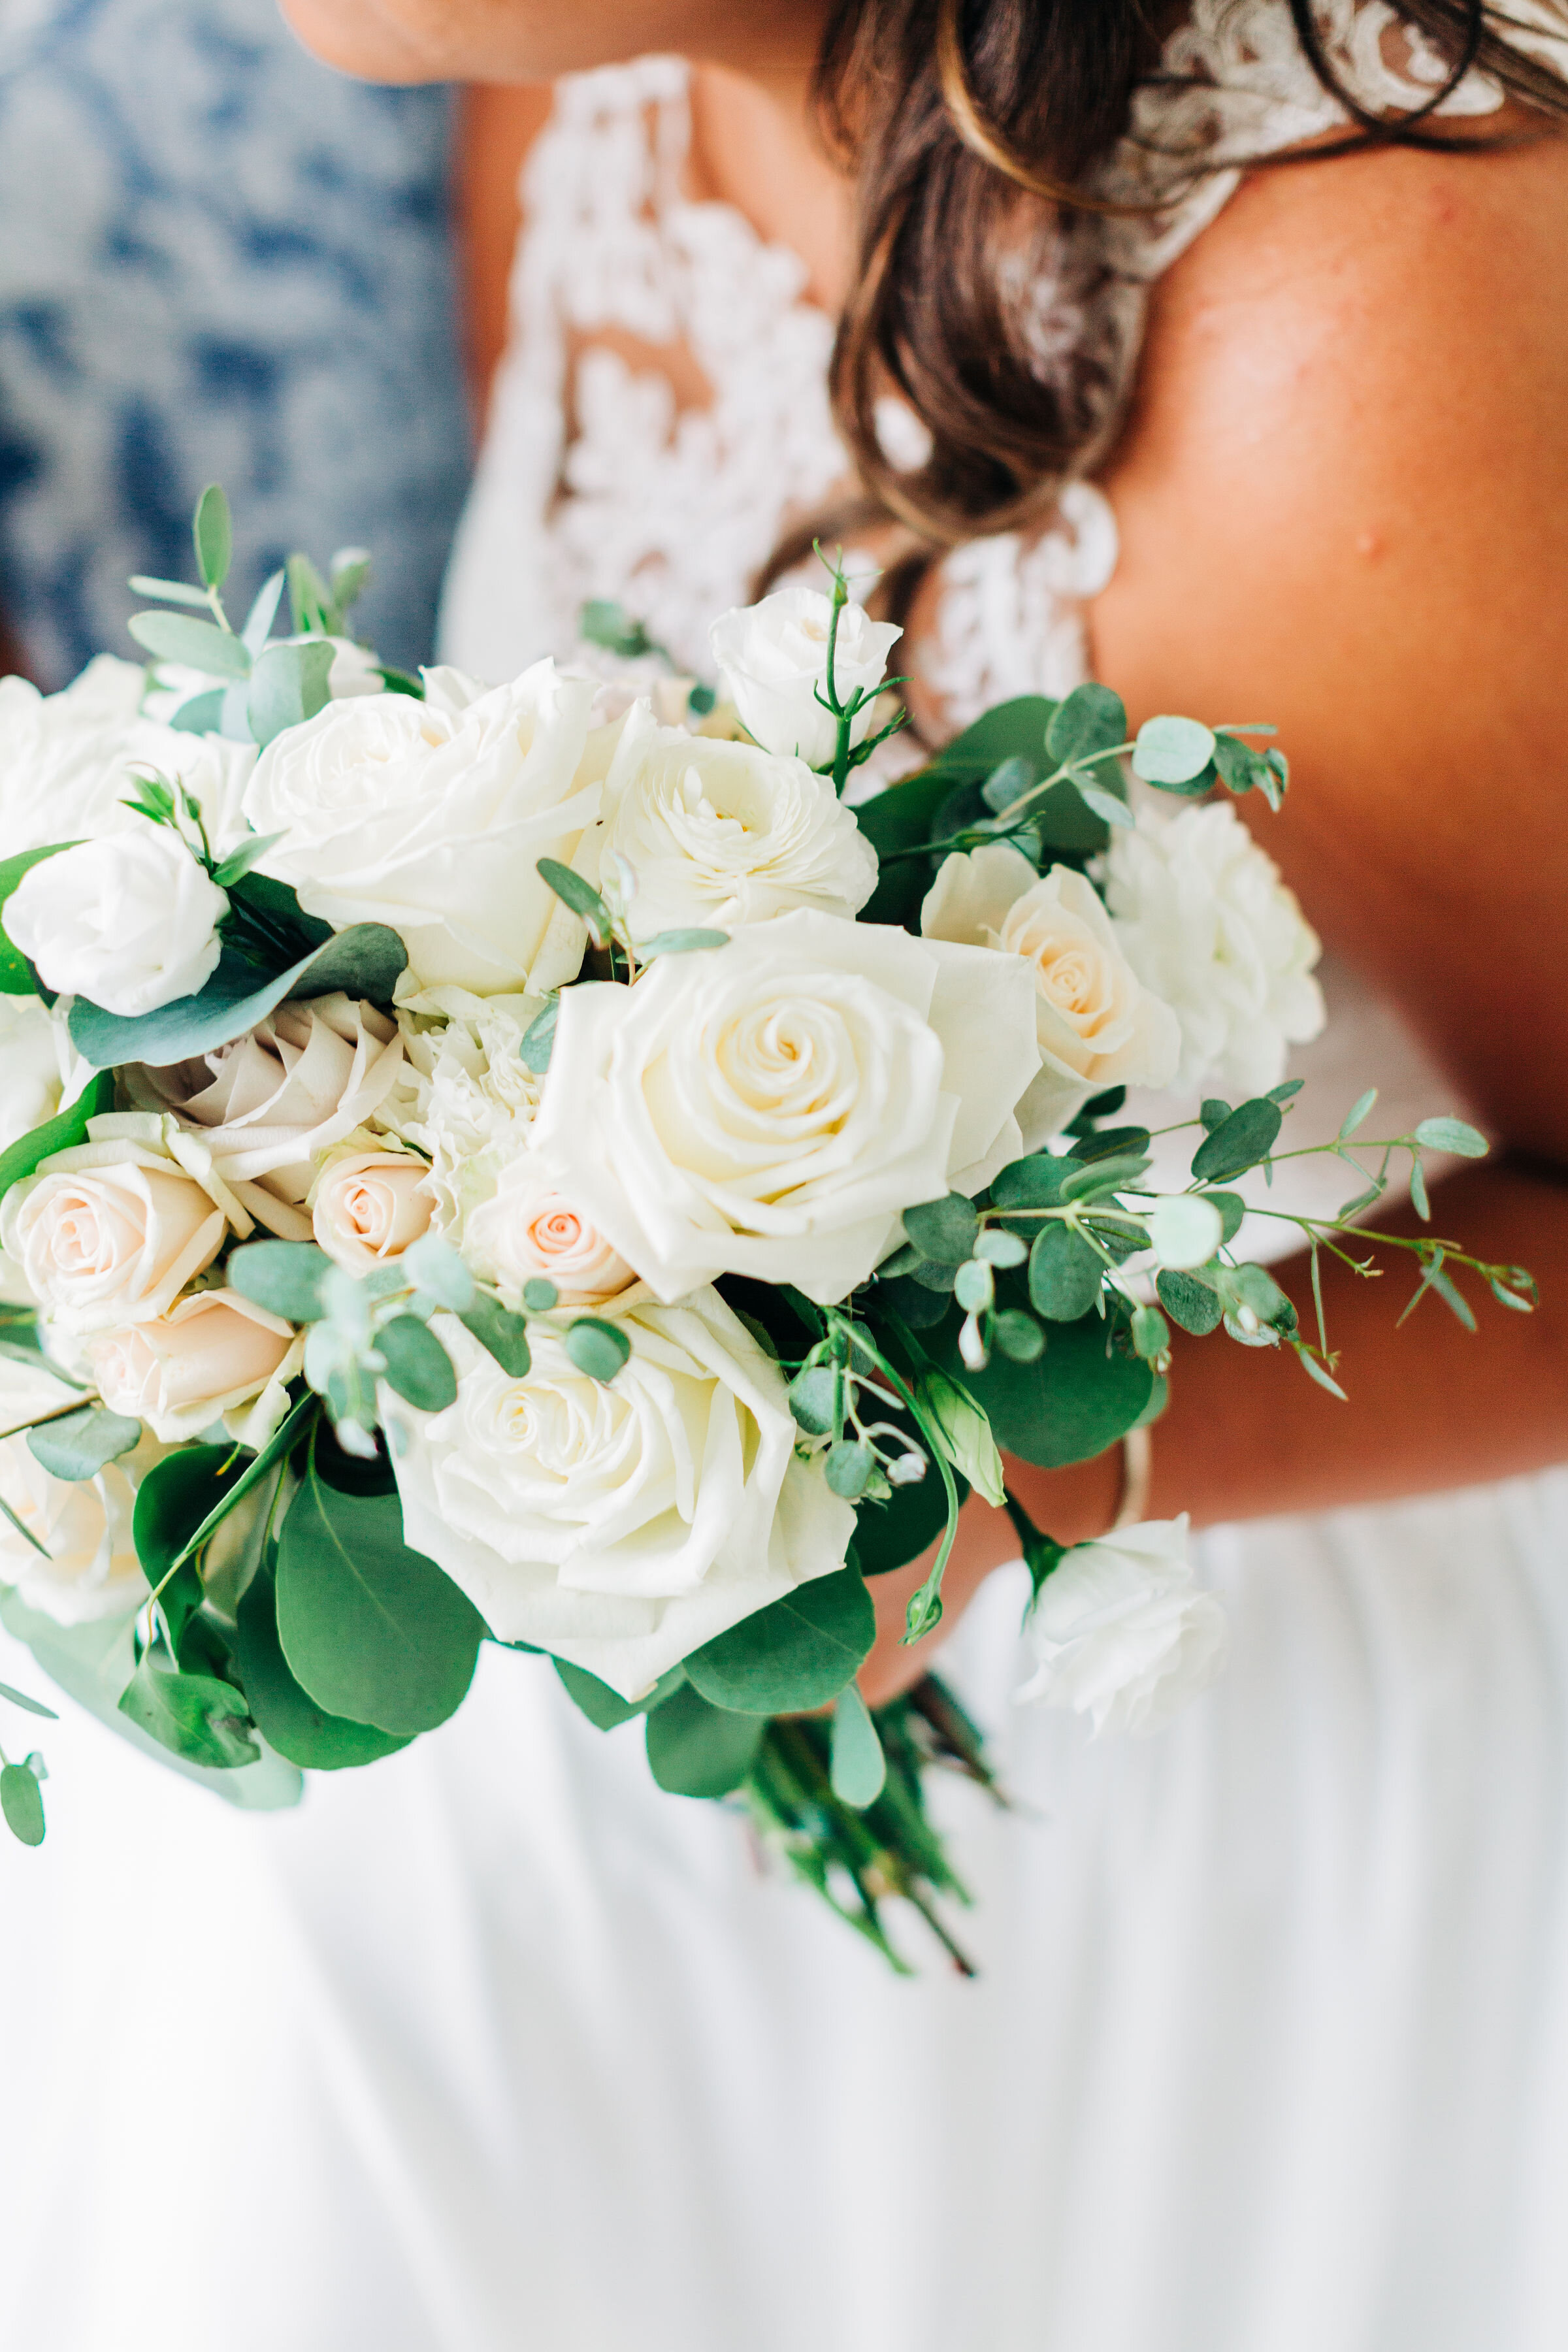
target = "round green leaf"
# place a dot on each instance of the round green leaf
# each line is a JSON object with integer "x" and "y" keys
{"x": 195, "y": 1716}
{"x": 1065, "y": 1274}
{"x": 501, "y": 1333}
{"x": 290, "y": 683}
{"x": 1452, "y": 1135}
{"x": 1033, "y": 1183}
{"x": 1239, "y": 1142}
{"x": 1018, "y": 1336}
{"x": 286, "y": 1277}
{"x": 539, "y": 1295}
{"x": 606, "y": 1708}
{"x": 943, "y": 1230}
{"x": 849, "y": 1468}
{"x": 1171, "y": 750}
{"x": 1092, "y": 719}
{"x": 812, "y": 1399}
{"x": 1073, "y": 1401}
{"x": 22, "y": 1803}
{"x": 1188, "y": 1301}
{"x": 174, "y": 1498}
{"x": 286, "y": 1717}
{"x": 697, "y": 1750}
{"x": 369, "y": 1628}
{"x": 79, "y": 1445}
{"x": 597, "y": 1348}
{"x": 857, "y": 1768}
{"x": 417, "y": 1366}
{"x": 797, "y": 1654}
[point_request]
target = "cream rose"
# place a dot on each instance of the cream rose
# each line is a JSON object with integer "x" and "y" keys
{"x": 432, "y": 820}
{"x": 1097, "y": 1026}
{"x": 1121, "y": 1631}
{"x": 774, "y": 657}
{"x": 269, "y": 1104}
{"x": 369, "y": 1205}
{"x": 129, "y": 921}
{"x": 527, "y": 1232}
{"x": 720, "y": 833}
{"x": 769, "y": 1108}
{"x": 182, "y": 1371}
{"x": 109, "y": 1233}
{"x": 1206, "y": 923}
{"x": 621, "y": 1526}
{"x": 84, "y": 1524}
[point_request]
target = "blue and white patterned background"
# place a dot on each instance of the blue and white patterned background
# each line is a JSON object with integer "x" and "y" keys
{"x": 218, "y": 260}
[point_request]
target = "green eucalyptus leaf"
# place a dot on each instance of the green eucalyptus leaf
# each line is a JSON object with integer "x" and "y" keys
{"x": 290, "y": 683}
{"x": 263, "y": 612}
{"x": 1064, "y": 1274}
{"x": 213, "y": 532}
{"x": 1103, "y": 803}
{"x": 605, "y": 623}
{"x": 849, "y": 1468}
{"x": 201, "y": 714}
{"x": 606, "y": 1708}
{"x": 858, "y": 1769}
{"x": 812, "y": 1398}
{"x": 1018, "y": 1336}
{"x": 1188, "y": 1302}
{"x": 1079, "y": 1397}
{"x": 1452, "y": 1135}
{"x": 680, "y": 943}
{"x": 695, "y": 1749}
{"x": 1240, "y": 1142}
{"x": 174, "y": 592}
{"x": 944, "y": 1231}
{"x": 1357, "y": 1113}
{"x": 539, "y": 1038}
{"x": 794, "y": 1655}
{"x": 1098, "y": 1179}
{"x": 194, "y": 644}
{"x": 22, "y": 1803}
{"x": 286, "y": 1277}
{"x": 417, "y": 1366}
{"x": 1106, "y": 1143}
{"x": 1171, "y": 750}
{"x": 1092, "y": 719}
{"x": 1033, "y": 1183}
{"x": 1007, "y": 783}
{"x": 77, "y": 1446}
{"x": 437, "y": 1269}
{"x": 1419, "y": 1199}
{"x": 1232, "y": 1208}
{"x": 238, "y": 862}
{"x": 198, "y": 1715}
{"x": 61, "y": 1133}
{"x": 575, "y": 891}
{"x": 501, "y": 1333}
{"x": 369, "y": 1628}
{"x": 597, "y": 1348}
{"x": 33, "y": 1705}
{"x": 286, "y": 1717}
{"x": 363, "y": 961}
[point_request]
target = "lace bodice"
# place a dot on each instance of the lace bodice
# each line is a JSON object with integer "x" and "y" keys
{"x": 596, "y": 480}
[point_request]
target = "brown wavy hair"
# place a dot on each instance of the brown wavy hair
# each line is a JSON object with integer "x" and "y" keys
{"x": 968, "y": 125}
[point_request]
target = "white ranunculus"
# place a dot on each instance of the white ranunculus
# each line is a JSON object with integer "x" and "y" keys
{"x": 465, "y": 1096}
{"x": 721, "y": 833}
{"x": 622, "y": 1525}
{"x": 769, "y": 1108}
{"x": 1120, "y": 1631}
{"x": 181, "y": 1371}
{"x": 1099, "y": 1026}
{"x": 271, "y": 1103}
{"x": 129, "y": 921}
{"x": 774, "y": 656}
{"x": 109, "y": 1233}
{"x": 369, "y": 1206}
{"x": 1209, "y": 925}
{"x": 526, "y": 1231}
{"x": 393, "y": 810}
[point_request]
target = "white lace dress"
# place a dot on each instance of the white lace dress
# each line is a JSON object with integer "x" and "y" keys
{"x": 495, "y": 2048}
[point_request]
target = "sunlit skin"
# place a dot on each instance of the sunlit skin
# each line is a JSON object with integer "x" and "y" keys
{"x": 1344, "y": 505}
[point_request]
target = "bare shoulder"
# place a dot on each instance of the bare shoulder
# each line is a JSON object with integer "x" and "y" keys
{"x": 1344, "y": 498}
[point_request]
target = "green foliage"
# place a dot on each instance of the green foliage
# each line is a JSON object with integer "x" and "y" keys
{"x": 369, "y": 1628}
{"x": 61, "y": 1133}
{"x": 575, "y": 891}
{"x": 606, "y": 1708}
{"x": 285, "y": 1714}
{"x": 214, "y": 535}
{"x": 363, "y": 961}
{"x": 198, "y": 1715}
{"x": 1018, "y": 1336}
{"x": 1064, "y": 1274}
{"x": 417, "y": 1366}
{"x": 1232, "y": 1208}
{"x": 1452, "y": 1135}
{"x": 1188, "y": 1301}
{"x": 1091, "y": 720}
{"x": 696, "y": 1749}
{"x": 597, "y": 1348}
{"x": 1173, "y": 754}
{"x": 1079, "y": 1397}
{"x": 889, "y": 1534}
{"x": 193, "y": 644}
{"x": 539, "y": 1038}
{"x": 1239, "y": 1142}
{"x": 33, "y": 1705}
{"x": 286, "y": 1277}
{"x": 943, "y": 1231}
{"x": 78, "y": 1443}
{"x": 858, "y": 1770}
{"x": 603, "y": 622}
{"x": 849, "y": 1468}
{"x": 688, "y": 942}
{"x": 1032, "y": 1183}
{"x": 797, "y": 1654}
{"x": 814, "y": 1398}
{"x": 290, "y": 683}
{"x": 501, "y": 1333}
{"x": 22, "y": 1801}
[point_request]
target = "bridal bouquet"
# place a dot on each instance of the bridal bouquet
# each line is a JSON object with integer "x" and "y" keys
{"x": 536, "y": 1164}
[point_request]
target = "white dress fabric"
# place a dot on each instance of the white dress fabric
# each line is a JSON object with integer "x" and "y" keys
{"x": 493, "y": 2048}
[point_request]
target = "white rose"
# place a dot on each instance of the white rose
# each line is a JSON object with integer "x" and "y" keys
{"x": 1098, "y": 1024}
{"x": 527, "y": 1232}
{"x": 129, "y": 921}
{"x": 368, "y": 1206}
{"x": 179, "y": 1374}
{"x": 1120, "y": 1631}
{"x": 269, "y": 1104}
{"x": 721, "y": 833}
{"x": 108, "y": 1233}
{"x": 57, "y": 751}
{"x": 774, "y": 656}
{"x": 770, "y": 1107}
{"x": 396, "y": 812}
{"x": 465, "y": 1095}
{"x": 1209, "y": 925}
{"x": 621, "y": 1526}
